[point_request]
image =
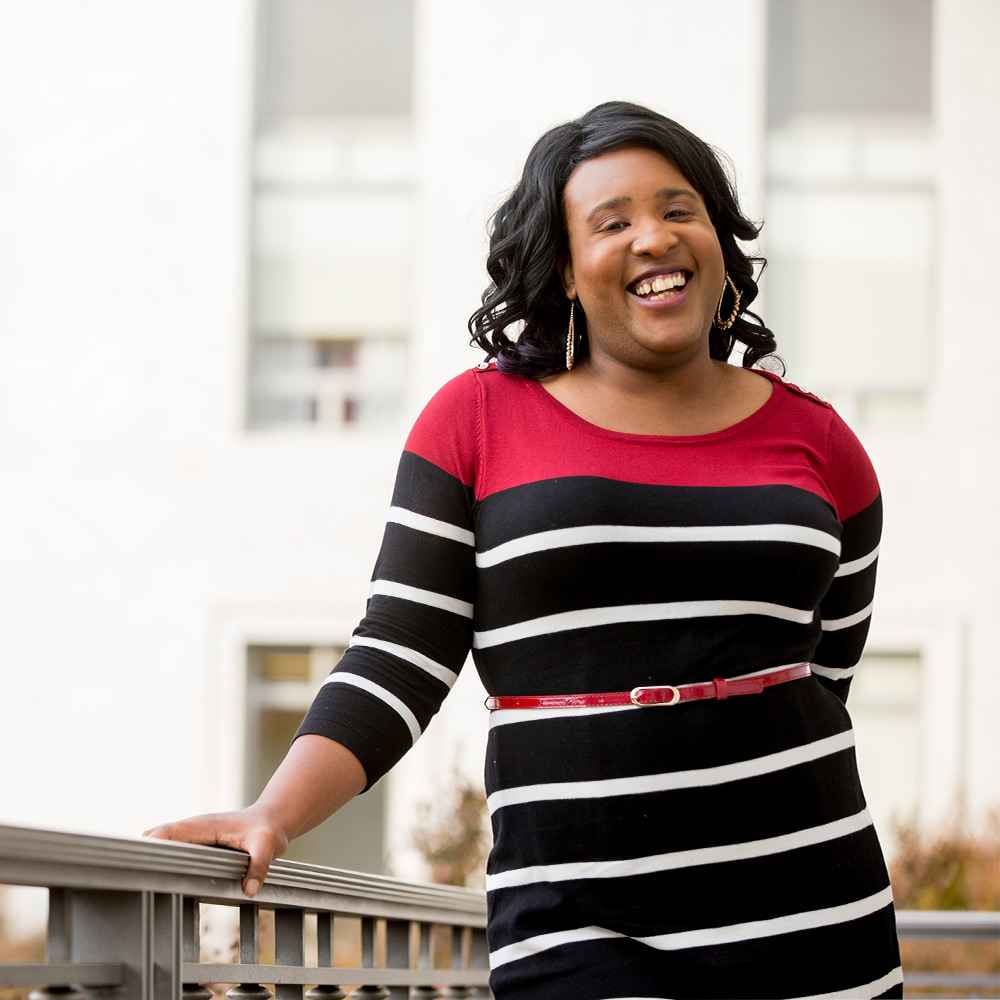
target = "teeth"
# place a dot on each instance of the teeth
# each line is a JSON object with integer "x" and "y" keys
{"x": 661, "y": 283}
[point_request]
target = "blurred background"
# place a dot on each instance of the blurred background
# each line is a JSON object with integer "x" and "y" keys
{"x": 239, "y": 244}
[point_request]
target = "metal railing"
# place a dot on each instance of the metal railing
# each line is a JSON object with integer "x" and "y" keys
{"x": 124, "y": 923}
{"x": 960, "y": 924}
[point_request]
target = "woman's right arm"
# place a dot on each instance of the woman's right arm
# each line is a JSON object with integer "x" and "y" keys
{"x": 317, "y": 777}
{"x": 403, "y": 658}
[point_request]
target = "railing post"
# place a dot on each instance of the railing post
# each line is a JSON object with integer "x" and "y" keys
{"x": 324, "y": 959}
{"x": 425, "y": 960}
{"x": 288, "y": 948}
{"x": 369, "y": 991}
{"x": 248, "y": 956}
{"x": 57, "y": 946}
{"x": 116, "y": 926}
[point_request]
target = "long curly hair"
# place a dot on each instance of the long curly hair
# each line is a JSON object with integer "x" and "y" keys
{"x": 529, "y": 242}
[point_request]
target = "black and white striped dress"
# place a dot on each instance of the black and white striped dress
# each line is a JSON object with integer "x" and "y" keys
{"x": 709, "y": 849}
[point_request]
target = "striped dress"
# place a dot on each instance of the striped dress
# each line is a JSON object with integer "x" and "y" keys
{"x": 716, "y": 848}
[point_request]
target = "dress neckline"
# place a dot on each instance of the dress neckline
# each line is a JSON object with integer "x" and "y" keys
{"x": 741, "y": 425}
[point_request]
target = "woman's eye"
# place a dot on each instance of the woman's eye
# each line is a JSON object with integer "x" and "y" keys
{"x": 674, "y": 213}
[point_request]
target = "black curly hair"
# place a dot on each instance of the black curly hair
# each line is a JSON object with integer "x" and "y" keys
{"x": 529, "y": 242}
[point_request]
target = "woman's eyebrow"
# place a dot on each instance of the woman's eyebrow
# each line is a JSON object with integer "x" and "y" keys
{"x": 625, "y": 200}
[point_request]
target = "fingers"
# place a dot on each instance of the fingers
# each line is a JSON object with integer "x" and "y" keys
{"x": 242, "y": 831}
{"x": 196, "y": 830}
{"x": 260, "y": 846}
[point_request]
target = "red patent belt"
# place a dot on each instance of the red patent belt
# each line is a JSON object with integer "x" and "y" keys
{"x": 654, "y": 695}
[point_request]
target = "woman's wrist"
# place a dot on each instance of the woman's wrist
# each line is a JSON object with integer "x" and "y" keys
{"x": 275, "y": 818}
{"x": 316, "y": 778}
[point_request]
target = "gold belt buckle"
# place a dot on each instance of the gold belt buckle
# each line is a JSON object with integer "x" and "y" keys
{"x": 656, "y": 704}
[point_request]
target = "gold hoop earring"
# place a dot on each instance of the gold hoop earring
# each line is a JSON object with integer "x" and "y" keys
{"x": 726, "y": 324}
{"x": 570, "y": 335}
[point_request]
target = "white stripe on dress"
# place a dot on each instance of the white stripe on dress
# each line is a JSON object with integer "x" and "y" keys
{"x": 506, "y": 716}
{"x": 343, "y": 677}
{"x": 703, "y": 936}
{"x": 435, "y": 669}
{"x": 866, "y": 991}
{"x": 856, "y": 565}
{"x": 590, "y": 617}
{"x": 432, "y": 525}
{"x": 627, "y": 867}
{"x": 694, "y": 778}
{"x": 591, "y": 534}
{"x": 390, "y": 588}
{"x": 832, "y": 624}
{"x": 834, "y": 673}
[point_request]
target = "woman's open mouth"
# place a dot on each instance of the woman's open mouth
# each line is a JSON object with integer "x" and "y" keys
{"x": 662, "y": 290}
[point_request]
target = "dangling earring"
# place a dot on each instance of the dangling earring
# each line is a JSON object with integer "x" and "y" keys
{"x": 726, "y": 324}
{"x": 570, "y": 334}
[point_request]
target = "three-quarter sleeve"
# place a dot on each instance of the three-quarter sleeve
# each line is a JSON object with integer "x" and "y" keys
{"x": 846, "y": 608}
{"x": 406, "y": 653}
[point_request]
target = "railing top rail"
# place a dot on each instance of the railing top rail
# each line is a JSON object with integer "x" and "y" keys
{"x": 42, "y": 856}
{"x": 948, "y": 923}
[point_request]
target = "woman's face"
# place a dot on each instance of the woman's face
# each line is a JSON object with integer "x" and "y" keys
{"x": 630, "y": 212}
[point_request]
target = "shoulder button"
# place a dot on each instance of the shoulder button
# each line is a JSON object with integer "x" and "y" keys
{"x": 808, "y": 394}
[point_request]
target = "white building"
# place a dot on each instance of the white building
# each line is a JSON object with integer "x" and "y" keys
{"x": 238, "y": 250}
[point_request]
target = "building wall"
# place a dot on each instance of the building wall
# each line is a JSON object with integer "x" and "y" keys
{"x": 148, "y": 537}
{"x": 959, "y": 547}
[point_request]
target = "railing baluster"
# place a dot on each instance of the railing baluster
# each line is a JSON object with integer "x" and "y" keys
{"x": 397, "y": 953}
{"x": 479, "y": 949}
{"x": 425, "y": 960}
{"x": 324, "y": 959}
{"x": 369, "y": 991}
{"x": 167, "y": 946}
{"x": 288, "y": 948}
{"x": 248, "y": 956}
{"x": 458, "y": 940}
{"x": 191, "y": 946}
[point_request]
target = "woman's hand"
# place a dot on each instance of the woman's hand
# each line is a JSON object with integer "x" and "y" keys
{"x": 252, "y": 830}
{"x": 316, "y": 778}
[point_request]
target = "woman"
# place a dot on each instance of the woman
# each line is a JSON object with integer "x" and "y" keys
{"x": 611, "y": 508}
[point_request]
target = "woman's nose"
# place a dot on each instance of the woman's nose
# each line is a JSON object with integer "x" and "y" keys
{"x": 654, "y": 238}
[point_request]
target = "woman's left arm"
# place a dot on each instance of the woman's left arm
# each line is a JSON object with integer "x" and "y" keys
{"x": 846, "y": 609}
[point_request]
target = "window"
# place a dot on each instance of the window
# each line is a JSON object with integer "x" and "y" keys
{"x": 851, "y": 203}
{"x": 333, "y": 214}
{"x": 281, "y": 683}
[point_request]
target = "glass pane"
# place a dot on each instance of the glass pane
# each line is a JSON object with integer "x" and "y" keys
{"x": 849, "y": 57}
{"x": 324, "y": 58}
{"x": 284, "y": 664}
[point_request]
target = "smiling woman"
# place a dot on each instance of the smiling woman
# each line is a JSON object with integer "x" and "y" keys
{"x": 664, "y": 567}
{"x": 620, "y": 193}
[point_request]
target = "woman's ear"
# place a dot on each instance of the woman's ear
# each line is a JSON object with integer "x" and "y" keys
{"x": 569, "y": 285}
